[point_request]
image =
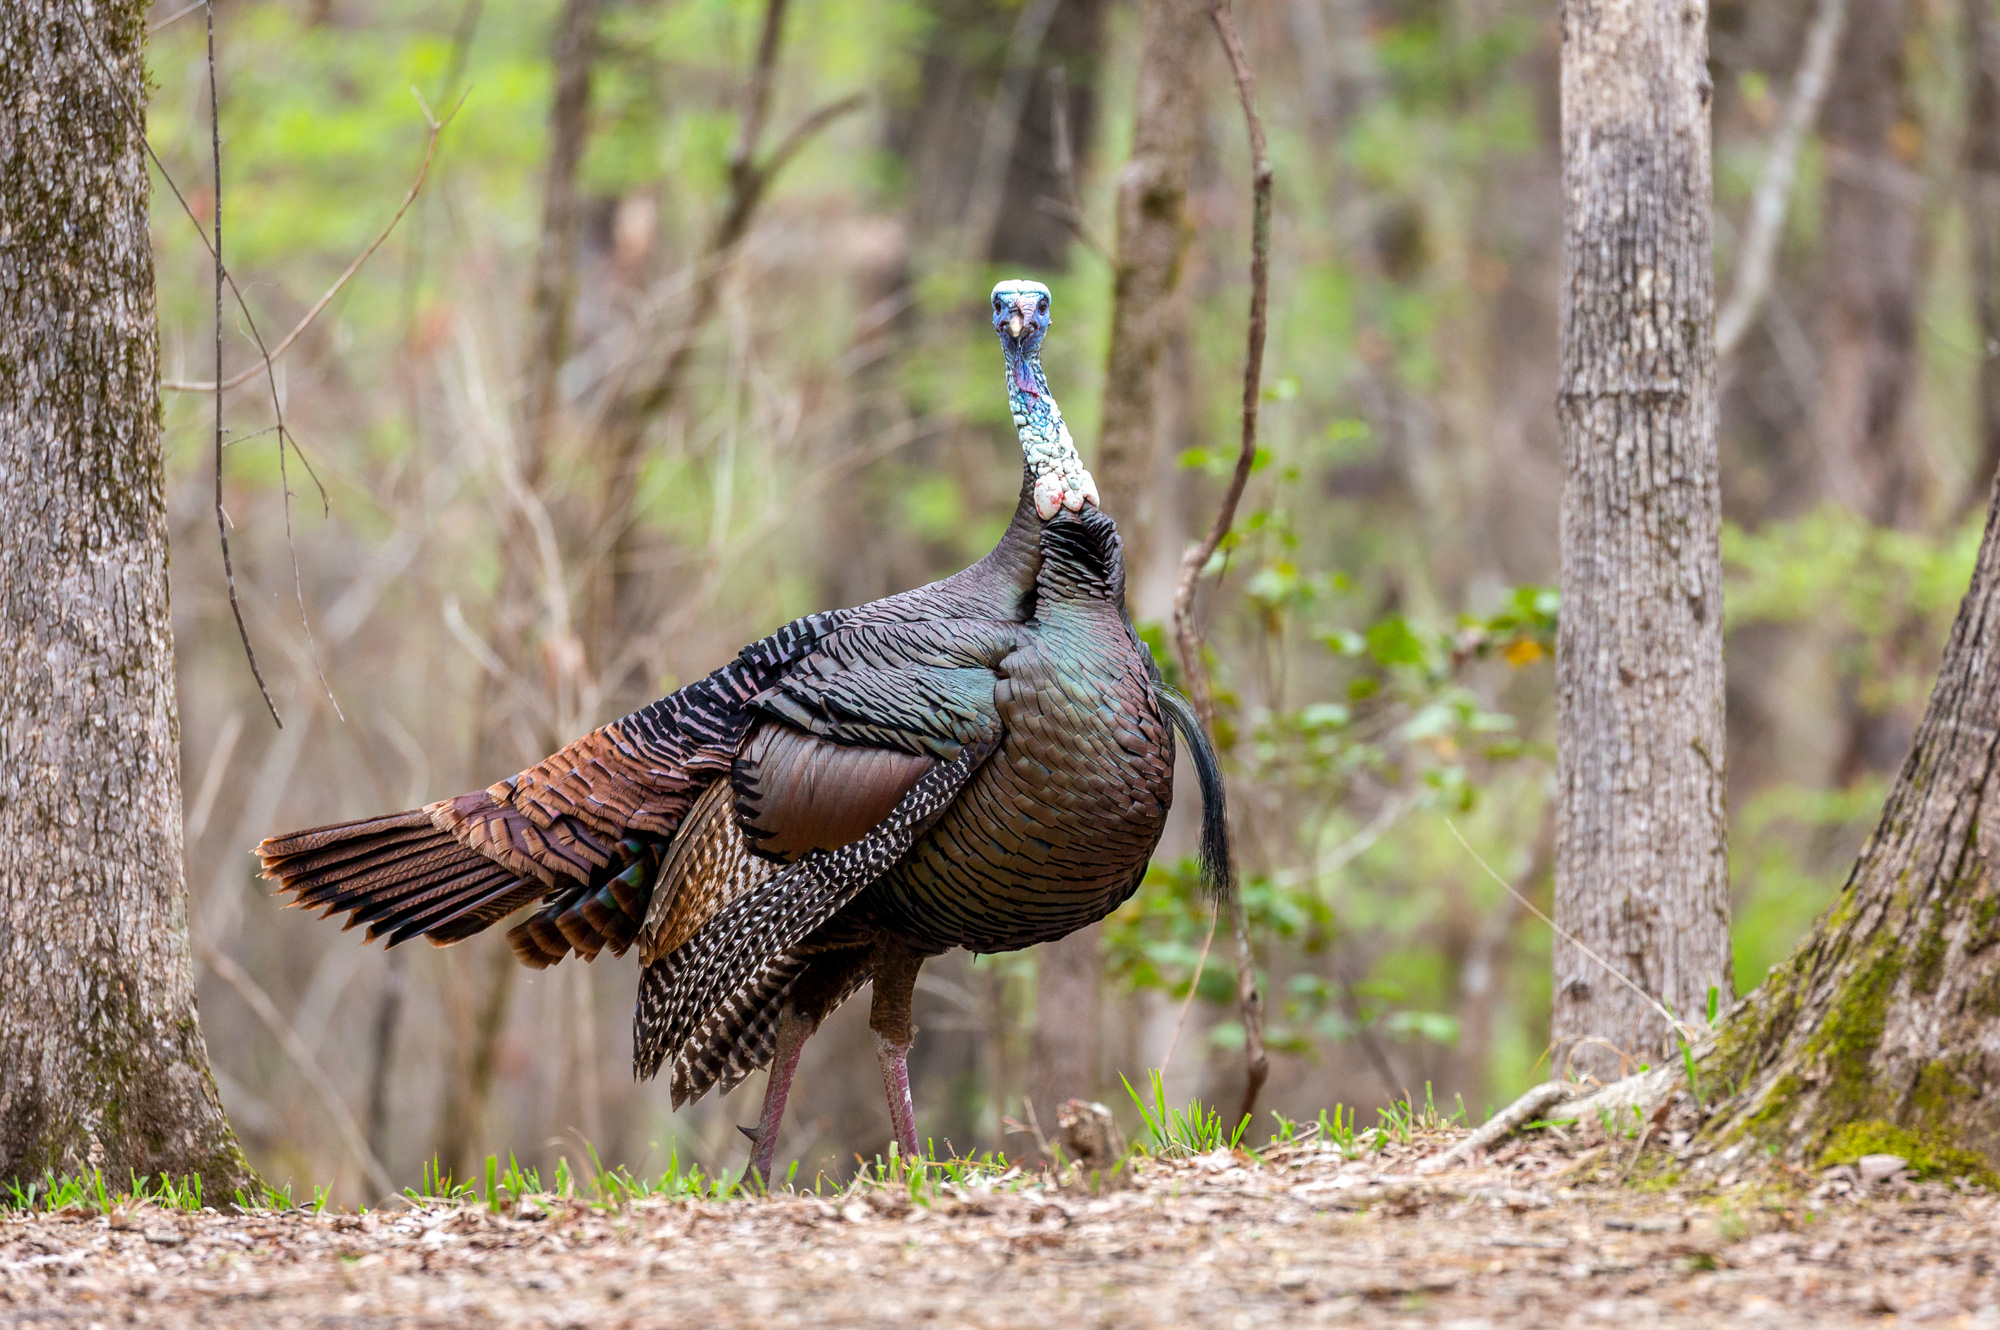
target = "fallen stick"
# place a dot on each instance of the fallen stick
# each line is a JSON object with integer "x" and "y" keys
{"x": 1505, "y": 1123}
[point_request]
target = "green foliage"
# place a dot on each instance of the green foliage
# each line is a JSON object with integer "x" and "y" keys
{"x": 1884, "y": 587}
{"x": 1410, "y": 721}
{"x": 1929, "y": 1156}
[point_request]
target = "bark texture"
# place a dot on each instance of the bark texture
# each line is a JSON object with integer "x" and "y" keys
{"x": 102, "y": 1062}
{"x": 1641, "y": 866}
{"x": 1890, "y": 1010}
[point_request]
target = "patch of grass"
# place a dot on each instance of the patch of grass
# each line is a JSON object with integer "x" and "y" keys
{"x": 927, "y": 1179}
{"x": 1173, "y": 1132}
{"x": 91, "y": 1194}
{"x": 513, "y": 1184}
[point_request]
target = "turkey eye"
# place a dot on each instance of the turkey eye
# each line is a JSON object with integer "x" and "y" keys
{"x": 996, "y": 304}
{"x": 1043, "y": 306}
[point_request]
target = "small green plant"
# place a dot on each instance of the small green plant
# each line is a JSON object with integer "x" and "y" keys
{"x": 1190, "y": 1131}
{"x": 1339, "y": 1129}
{"x": 91, "y": 1194}
{"x": 435, "y": 1182}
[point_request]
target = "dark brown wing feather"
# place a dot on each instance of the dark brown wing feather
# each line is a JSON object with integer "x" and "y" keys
{"x": 796, "y": 792}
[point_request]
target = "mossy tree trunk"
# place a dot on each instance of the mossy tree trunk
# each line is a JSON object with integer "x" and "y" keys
{"x": 1889, "y": 1012}
{"x": 102, "y": 1062}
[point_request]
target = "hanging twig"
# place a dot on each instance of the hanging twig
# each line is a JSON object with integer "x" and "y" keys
{"x": 215, "y": 249}
{"x": 1187, "y": 636}
{"x": 1752, "y": 280}
{"x": 242, "y": 377}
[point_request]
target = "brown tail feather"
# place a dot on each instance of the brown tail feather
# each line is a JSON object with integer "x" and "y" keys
{"x": 398, "y": 875}
{"x": 340, "y": 833}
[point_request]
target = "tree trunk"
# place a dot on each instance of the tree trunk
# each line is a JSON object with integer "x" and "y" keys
{"x": 1642, "y": 873}
{"x": 1982, "y": 185}
{"x": 102, "y": 1063}
{"x": 1889, "y": 1012}
{"x": 1153, "y": 236}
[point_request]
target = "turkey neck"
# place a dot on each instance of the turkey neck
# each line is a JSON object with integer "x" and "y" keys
{"x": 1012, "y": 566}
{"x": 1037, "y": 418}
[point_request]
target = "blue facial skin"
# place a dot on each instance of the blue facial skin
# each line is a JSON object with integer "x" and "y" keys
{"x": 1026, "y": 384}
{"x": 1031, "y": 301}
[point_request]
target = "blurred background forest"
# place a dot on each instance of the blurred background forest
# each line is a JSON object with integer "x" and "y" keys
{"x": 614, "y": 399}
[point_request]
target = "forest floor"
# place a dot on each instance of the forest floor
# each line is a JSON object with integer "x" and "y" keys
{"x": 1540, "y": 1233}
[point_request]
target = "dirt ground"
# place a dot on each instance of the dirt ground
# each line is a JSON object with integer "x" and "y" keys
{"x": 1301, "y": 1236}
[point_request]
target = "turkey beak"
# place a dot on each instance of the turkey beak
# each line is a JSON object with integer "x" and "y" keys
{"x": 1014, "y": 326}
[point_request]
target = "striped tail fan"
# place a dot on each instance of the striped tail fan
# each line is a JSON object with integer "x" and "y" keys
{"x": 399, "y": 875}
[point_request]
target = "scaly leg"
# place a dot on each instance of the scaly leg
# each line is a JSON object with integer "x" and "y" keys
{"x": 895, "y": 1059}
{"x": 793, "y": 1031}
{"x": 896, "y": 969}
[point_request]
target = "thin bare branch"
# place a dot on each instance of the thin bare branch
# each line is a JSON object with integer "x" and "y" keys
{"x": 757, "y": 101}
{"x": 1187, "y": 635}
{"x": 239, "y": 379}
{"x": 1768, "y": 204}
{"x": 222, "y": 275}
{"x": 1679, "y": 1027}
{"x": 176, "y": 16}
{"x": 627, "y": 405}
{"x": 802, "y": 133}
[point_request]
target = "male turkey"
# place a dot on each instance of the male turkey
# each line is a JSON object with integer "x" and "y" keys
{"x": 985, "y": 762}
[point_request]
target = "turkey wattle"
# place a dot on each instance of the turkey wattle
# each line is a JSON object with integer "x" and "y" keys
{"x": 984, "y": 762}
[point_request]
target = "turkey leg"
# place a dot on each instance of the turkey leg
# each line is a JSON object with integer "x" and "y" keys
{"x": 896, "y": 969}
{"x": 793, "y": 1031}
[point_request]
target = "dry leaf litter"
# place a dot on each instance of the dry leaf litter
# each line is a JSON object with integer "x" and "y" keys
{"x": 1540, "y": 1232}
